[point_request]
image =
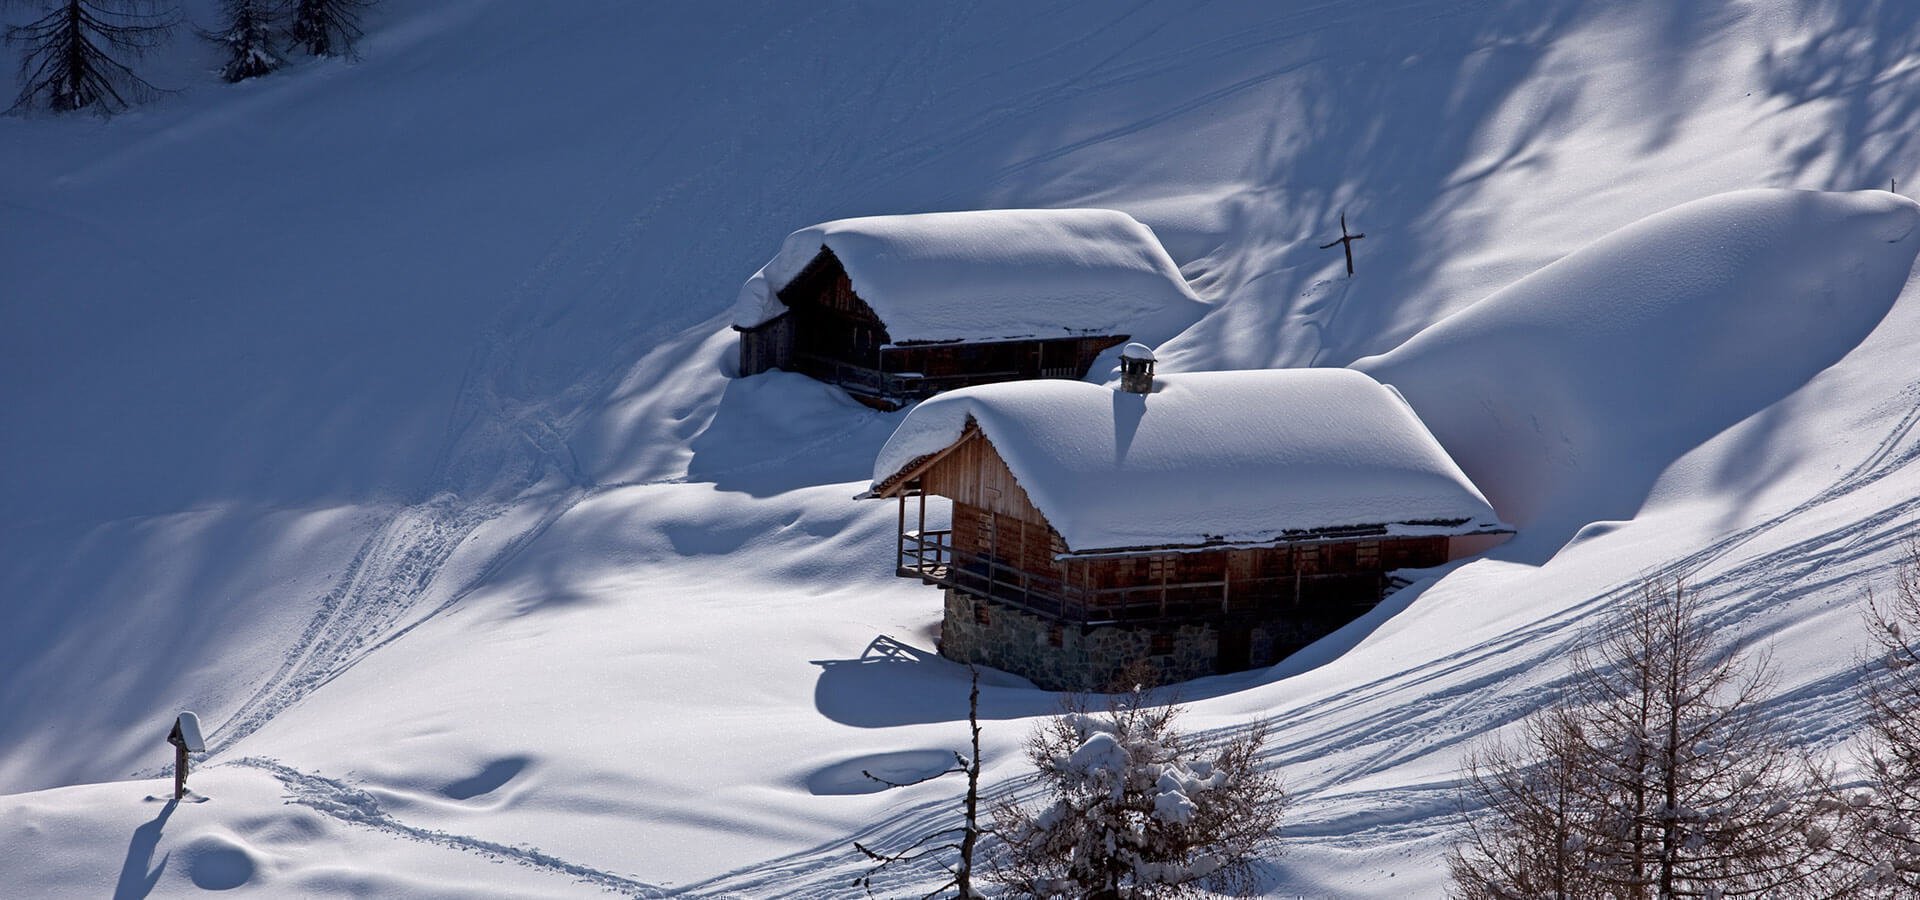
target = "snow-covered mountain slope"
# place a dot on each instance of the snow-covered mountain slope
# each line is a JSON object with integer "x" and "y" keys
{"x": 380, "y": 412}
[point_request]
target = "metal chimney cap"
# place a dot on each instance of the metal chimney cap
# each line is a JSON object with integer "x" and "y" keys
{"x": 1137, "y": 350}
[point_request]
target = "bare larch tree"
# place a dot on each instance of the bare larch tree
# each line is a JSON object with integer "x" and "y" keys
{"x": 1654, "y": 776}
{"x": 964, "y": 841}
{"x": 1879, "y": 833}
{"x": 67, "y": 61}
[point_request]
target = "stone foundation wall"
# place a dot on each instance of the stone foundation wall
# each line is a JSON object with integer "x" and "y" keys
{"x": 1072, "y": 658}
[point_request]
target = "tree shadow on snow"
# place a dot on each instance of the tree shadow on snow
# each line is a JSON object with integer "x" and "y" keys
{"x": 1854, "y": 56}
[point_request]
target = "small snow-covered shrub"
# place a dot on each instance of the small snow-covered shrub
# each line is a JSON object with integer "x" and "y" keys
{"x": 1134, "y": 808}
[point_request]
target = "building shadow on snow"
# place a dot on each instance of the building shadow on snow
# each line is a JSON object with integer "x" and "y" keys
{"x": 891, "y": 683}
{"x": 778, "y": 431}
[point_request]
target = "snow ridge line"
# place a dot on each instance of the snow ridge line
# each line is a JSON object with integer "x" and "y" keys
{"x": 354, "y": 806}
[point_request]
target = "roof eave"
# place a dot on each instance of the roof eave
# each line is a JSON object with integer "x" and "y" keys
{"x": 1317, "y": 536}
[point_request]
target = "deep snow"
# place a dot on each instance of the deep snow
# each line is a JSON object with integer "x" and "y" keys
{"x": 380, "y": 412}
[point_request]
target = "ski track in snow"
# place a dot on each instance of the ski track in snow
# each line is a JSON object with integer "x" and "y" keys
{"x": 351, "y": 805}
{"x": 401, "y": 560}
{"x": 381, "y": 585}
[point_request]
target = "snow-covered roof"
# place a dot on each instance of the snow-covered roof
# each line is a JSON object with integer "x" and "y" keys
{"x": 1207, "y": 458}
{"x": 986, "y": 275}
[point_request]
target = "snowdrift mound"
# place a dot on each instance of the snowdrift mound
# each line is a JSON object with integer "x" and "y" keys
{"x": 1566, "y": 394}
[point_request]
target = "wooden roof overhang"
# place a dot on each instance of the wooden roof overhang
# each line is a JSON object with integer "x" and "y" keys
{"x": 1306, "y": 537}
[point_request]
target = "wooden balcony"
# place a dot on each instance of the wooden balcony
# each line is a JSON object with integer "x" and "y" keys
{"x": 930, "y": 557}
{"x": 892, "y": 386}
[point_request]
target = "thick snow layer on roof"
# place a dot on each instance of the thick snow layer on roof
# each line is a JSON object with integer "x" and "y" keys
{"x": 986, "y": 275}
{"x": 1240, "y": 457}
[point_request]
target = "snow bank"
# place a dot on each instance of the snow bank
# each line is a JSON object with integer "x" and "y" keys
{"x": 1240, "y": 457}
{"x": 991, "y": 274}
{"x": 1564, "y": 395}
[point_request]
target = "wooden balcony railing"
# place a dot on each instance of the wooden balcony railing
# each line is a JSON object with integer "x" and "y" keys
{"x": 930, "y": 557}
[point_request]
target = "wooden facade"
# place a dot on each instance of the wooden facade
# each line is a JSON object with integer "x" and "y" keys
{"x": 829, "y": 333}
{"x": 1000, "y": 551}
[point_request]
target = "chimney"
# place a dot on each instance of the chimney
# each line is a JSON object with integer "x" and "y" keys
{"x": 1136, "y": 369}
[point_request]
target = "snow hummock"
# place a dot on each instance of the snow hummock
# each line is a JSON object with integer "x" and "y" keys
{"x": 1137, "y": 350}
{"x": 986, "y": 275}
{"x": 1208, "y": 457}
{"x": 1566, "y": 394}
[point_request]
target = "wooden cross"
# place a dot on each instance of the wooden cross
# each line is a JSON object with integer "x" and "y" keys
{"x": 1347, "y": 241}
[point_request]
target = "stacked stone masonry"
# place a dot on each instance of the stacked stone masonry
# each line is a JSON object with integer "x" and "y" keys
{"x": 1098, "y": 657}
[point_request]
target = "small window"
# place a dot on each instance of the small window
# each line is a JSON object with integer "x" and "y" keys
{"x": 1159, "y": 568}
{"x": 980, "y": 614}
{"x": 1162, "y": 645}
{"x": 1055, "y": 636}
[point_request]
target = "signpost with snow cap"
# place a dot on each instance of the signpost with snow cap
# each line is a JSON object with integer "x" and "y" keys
{"x": 185, "y": 738}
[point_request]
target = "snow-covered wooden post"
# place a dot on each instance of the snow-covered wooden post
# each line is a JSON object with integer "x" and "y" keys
{"x": 185, "y": 738}
{"x": 1136, "y": 369}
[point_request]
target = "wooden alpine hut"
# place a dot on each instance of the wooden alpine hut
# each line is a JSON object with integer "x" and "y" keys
{"x": 1202, "y": 522}
{"x": 897, "y": 308}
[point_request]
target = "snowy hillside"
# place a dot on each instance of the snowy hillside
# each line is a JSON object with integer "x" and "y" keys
{"x": 381, "y": 411}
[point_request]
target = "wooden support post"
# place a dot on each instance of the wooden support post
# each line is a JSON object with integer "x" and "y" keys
{"x": 1165, "y": 564}
{"x": 923, "y": 526}
{"x": 1226, "y": 586}
{"x": 179, "y": 770}
{"x": 900, "y": 541}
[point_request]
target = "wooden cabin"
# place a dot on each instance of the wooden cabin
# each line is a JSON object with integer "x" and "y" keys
{"x": 898, "y": 308}
{"x": 1217, "y": 522}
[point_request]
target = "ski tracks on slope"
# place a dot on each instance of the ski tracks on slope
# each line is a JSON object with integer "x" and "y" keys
{"x": 381, "y": 588}
{"x": 346, "y": 803}
{"x": 1738, "y": 597}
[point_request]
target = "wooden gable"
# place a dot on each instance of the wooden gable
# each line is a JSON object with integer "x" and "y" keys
{"x": 972, "y": 472}
{"x": 825, "y": 286}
